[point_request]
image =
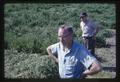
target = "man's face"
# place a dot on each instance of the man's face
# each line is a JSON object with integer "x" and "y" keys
{"x": 64, "y": 36}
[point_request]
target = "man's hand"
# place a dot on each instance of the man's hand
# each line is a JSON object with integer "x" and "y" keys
{"x": 94, "y": 68}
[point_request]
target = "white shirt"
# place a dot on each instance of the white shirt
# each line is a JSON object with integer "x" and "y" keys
{"x": 74, "y": 61}
{"x": 88, "y": 28}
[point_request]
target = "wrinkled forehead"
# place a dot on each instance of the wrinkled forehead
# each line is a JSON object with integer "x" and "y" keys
{"x": 62, "y": 31}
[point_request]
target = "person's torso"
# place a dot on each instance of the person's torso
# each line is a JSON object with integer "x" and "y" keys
{"x": 69, "y": 62}
{"x": 88, "y": 28}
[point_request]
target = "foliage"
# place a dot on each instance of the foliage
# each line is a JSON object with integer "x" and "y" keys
{"x": 32, "y": 27}
{"x": 100, "y": 41}
{"x": 29, "y": 65}
{"x": 101, "y": 37}
{"x": 106, "y": 33}
{"x": 46, "y": 68}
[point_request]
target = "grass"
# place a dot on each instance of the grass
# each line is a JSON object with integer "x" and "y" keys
{"x": 26, "y": 23}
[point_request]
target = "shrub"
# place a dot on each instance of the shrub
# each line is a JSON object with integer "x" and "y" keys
{"x": 100, "y": 41}
{"x": 22, "y": 65}
{"x": 46, "y": 68}
{"x": 106, "y": 33}
{"x": 101, "y": 37}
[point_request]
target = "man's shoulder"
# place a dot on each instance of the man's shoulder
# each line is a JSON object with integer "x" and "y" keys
{"x": 77, "y": 44}
{"x": 92, "y": 22}
{"x": 56, "y": 44}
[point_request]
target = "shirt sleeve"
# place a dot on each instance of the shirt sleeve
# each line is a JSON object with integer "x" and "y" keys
{"x": 54, "y": 48}
{"x": 86, "y": 57}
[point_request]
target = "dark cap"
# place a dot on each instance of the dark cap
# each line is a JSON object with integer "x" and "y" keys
{"x": 83, "y": 14}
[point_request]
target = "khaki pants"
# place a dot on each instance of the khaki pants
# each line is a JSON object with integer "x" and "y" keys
{"x": 89, "y": 43}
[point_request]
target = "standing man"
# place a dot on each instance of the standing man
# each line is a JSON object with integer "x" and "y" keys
{"x": 89, "y": 31}
{"x": 73, "y": 59}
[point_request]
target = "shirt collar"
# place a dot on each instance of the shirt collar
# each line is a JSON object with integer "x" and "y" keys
{"x": 61, "y": 46}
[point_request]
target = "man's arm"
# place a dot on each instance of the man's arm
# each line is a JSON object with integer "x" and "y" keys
{"x": 51, "y": 54}
{"x": 93, "y": 69}
{"x": 95, "y": 33}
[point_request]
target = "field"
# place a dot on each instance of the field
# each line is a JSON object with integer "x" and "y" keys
{"x": 30, "y": 28}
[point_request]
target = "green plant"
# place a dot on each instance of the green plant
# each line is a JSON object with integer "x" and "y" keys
{"x": 106, "y": 33}
{"x": 100, "y": 42}
{"x": 47, "y": 68}
{"x": 23, "y": 65}
{"x": 32, "y": 27}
